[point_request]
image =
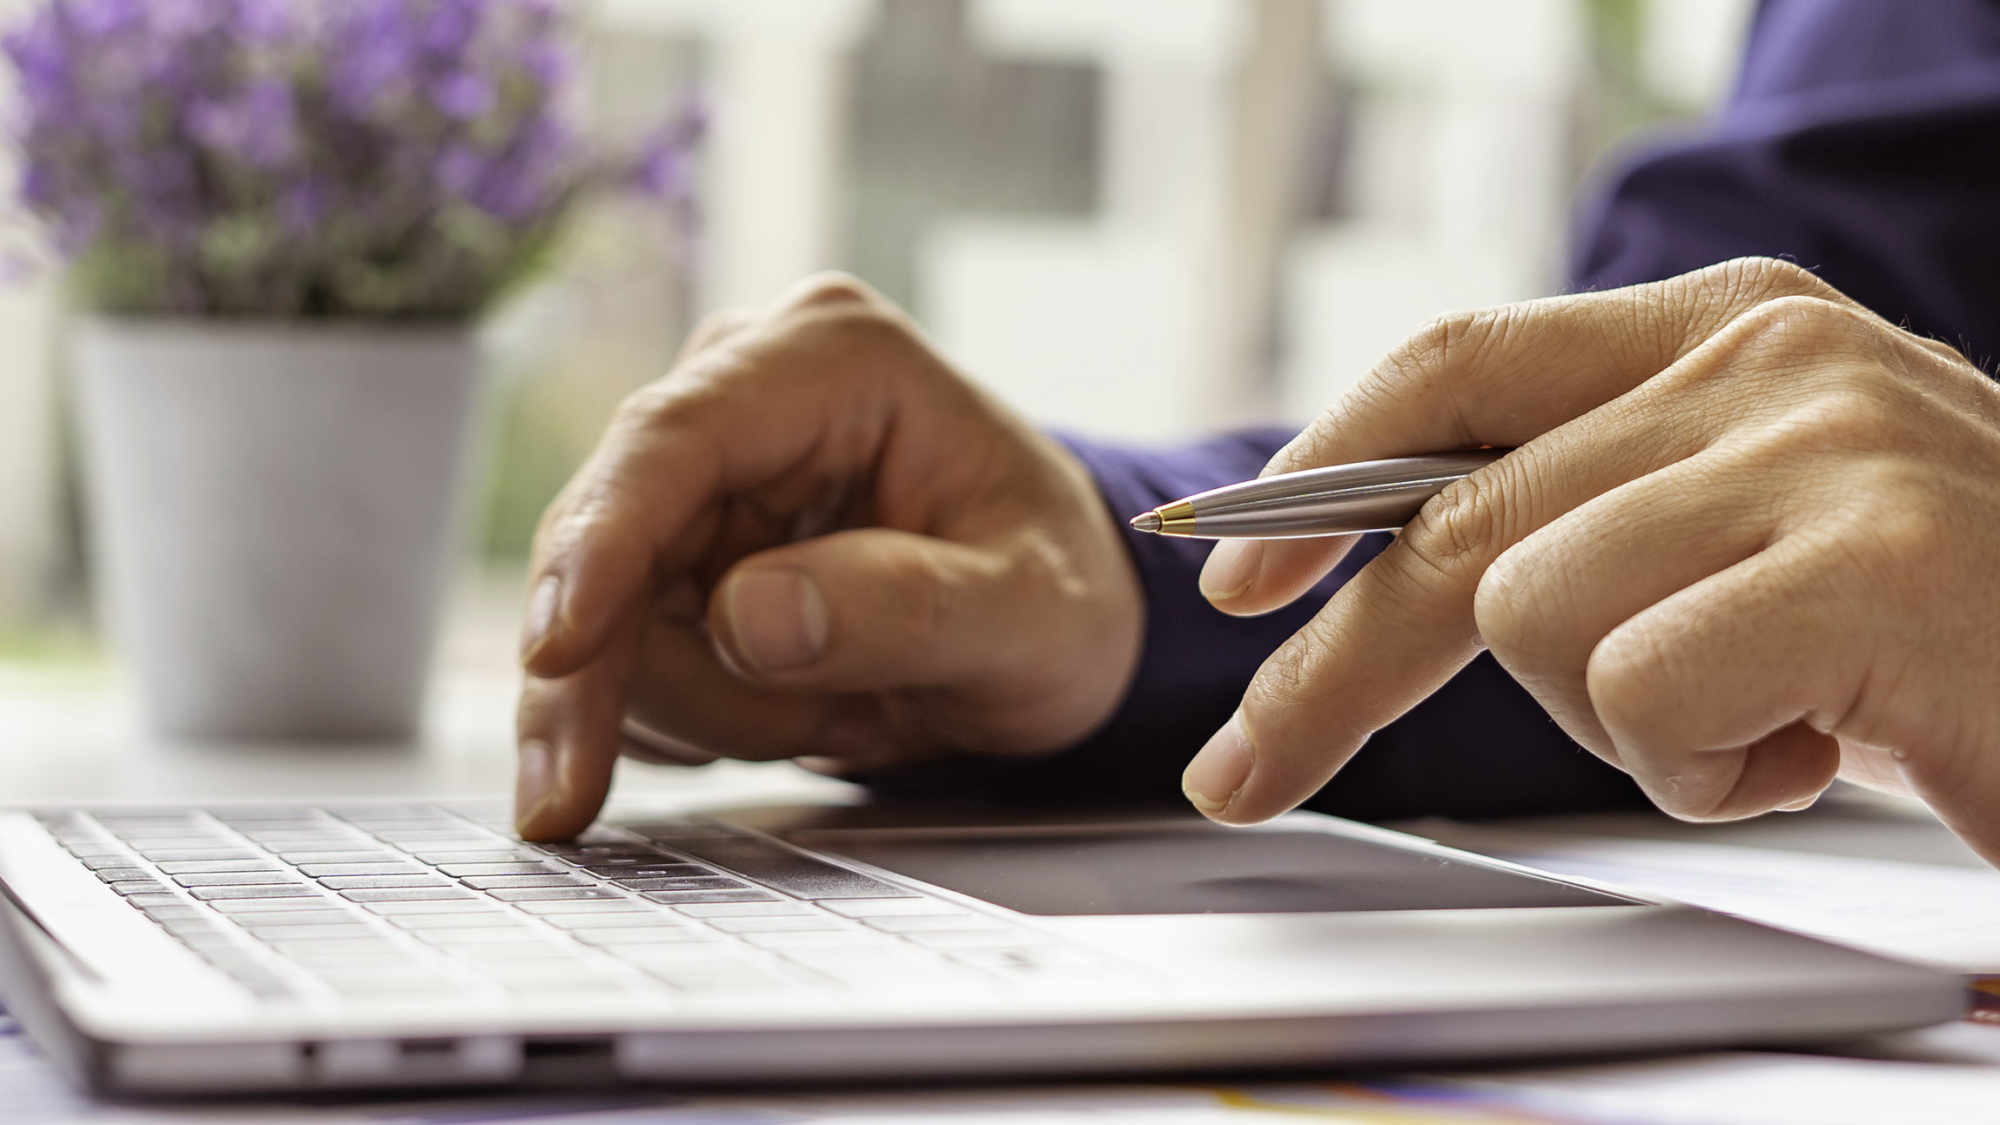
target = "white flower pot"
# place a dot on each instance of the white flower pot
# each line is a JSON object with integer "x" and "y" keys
{"x": 274, "y": 509}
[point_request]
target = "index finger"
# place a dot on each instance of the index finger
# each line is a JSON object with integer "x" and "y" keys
{"x": 1502, "y": 377}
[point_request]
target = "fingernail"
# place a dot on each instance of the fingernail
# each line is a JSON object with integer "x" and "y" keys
{"x": 777, "y": 619}
{"x": 541, "y": 616}
{"x": 1216, "y": 774}
{"x": 534, "y": 784}
{"x": 1230, "y": 569}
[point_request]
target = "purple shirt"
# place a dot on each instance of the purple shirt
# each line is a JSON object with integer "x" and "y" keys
{"x": 1862, "y": 141}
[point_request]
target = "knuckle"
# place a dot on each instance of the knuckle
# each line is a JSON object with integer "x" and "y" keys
{"x": 1454, "y": 339}
{"x": 1909, "y": 524}
{"x": 569, "y": 524}
{"x": 1756, "y": 276}
{"x": 851, "y": 336}
{"x": 661, "y": 399}
{"x": 1457, "y": 529}
{"x": 927, "y": 595}
{"x": 829, "y": 288}
{"x": 1424, "y": 366}
{"x": 1852, "y": 412}
{"x": 1804, "y": 325}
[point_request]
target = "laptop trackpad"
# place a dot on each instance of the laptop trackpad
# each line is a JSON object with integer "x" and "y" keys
{"x": 1164, "y": 870}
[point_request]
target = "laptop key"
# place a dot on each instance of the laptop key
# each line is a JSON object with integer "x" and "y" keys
{"x": 123, "y": 874}
{"x": 771, "y": 923}
{"x": 364, "y": 941}
{"x": 145, "y": 900}
{"x": 700, "y": 883}
{"x": 477, "y": 935}
{"x": 312, "y": 933}
{"x": 145, "y": 844}
{"x": 346, "y": 857}
{"x": 215, "y": 866}
{"x": 109, "y": 861}
{"x": 293, "y": 890}
{"x": 647, "y": 869}
{"x": 739, "y": 909}
{"x": 795, "y": 938}
{"x": 192, "y": 927}
{"x": 312, "y": 901}
{"x": 554, "y": 894}
{"x": 284, "y": 919}
{"x": 409, "y": 894}
{"x": 177, "y": 913}
{"x": 675, "y": 898}
{"x": 505, "y": 882}
{"x": 138, "y": 886}
{"x": 236, "y": 878}
{"x": 466, "y": 903}
{"x": 644, "y": 935}
{"x": 434, "y": 856}
{"x": 377, "y": 882}
{"x": 455, "y": 919}
{"x": 463, "y": 869}
{"x": 579, "y": 923}
{"x": 529, "y": 949}
{"x": 321, "y": 870}
{"x": 176, "y": 855}
{"x": 602, "y": 853}
{"x": 598, "y": 906}
{"x": 312, "y": 843}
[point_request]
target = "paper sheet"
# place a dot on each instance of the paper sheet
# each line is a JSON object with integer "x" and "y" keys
{"x": 1946, "y": 916}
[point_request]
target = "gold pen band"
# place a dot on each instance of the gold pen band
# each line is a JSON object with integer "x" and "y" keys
{"x": 1176, "y": 518}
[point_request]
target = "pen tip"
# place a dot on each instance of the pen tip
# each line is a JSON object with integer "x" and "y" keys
{"x": 1146, "y": 521}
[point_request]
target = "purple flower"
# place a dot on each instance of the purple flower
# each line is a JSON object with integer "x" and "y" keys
{"x": 253, "y": 125}
{"x": 462, "y": 95}
{"x": 459, "y": 170}
{"x": 304, "y": 205}
{"x": 329, "y": 145}
{"x": 451, "y": 25}
{"x": 663, "y": 169}
{"x": 547, "y": 63}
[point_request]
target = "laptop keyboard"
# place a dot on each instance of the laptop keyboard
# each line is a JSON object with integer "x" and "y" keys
{"x": 421, "y": 901}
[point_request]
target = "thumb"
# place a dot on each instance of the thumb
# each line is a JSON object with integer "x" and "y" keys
{"x": 864, "y": 610}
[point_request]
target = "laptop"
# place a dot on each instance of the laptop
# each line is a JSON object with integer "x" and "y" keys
{"x": 266, "y": 948}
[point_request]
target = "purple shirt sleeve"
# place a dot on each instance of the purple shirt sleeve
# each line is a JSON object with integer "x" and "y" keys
{"x": 1860, "y": 142}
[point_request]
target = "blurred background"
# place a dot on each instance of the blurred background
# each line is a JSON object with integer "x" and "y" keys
{"x": 1136, "y": 218}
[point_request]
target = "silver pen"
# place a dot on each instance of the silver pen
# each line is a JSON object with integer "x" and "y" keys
{"x": 1335, "y": 500}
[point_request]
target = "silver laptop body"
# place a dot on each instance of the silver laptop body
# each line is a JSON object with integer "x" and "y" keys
{"x": 248, "y": 948}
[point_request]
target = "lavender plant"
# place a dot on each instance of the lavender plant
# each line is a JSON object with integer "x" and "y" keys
{"x": 310, "y": 158}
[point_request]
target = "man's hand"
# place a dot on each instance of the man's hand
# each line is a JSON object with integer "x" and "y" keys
{"x": 1749, "y": 541}
{"x": 813, "y": 538}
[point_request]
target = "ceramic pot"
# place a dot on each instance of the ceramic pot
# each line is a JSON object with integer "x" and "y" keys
{"x": 274, "y": 509}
